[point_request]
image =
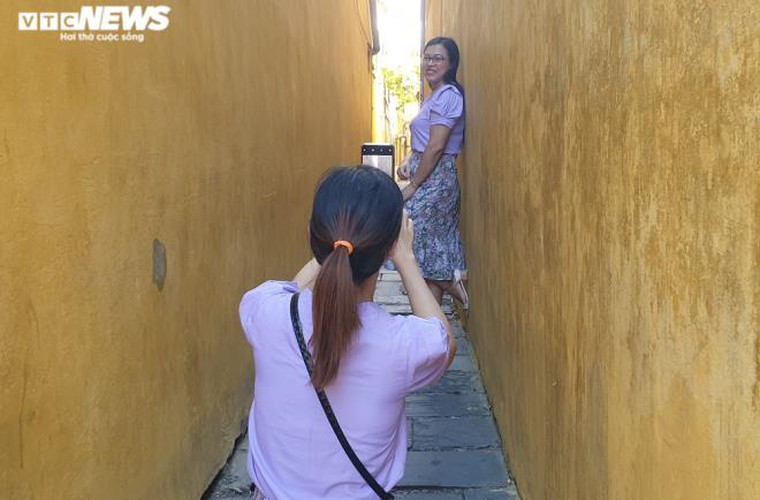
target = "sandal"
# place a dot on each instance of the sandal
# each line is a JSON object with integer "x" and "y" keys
{"x": 458, "y": 284}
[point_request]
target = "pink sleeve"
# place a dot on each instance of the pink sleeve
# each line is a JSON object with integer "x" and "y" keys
{"x": 427, "y": 351}
{"x": 446, "y": 107}
{"x": 251, "y": 304}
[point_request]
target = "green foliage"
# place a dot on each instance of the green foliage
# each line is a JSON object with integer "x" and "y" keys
{"x": 403, "y": 85}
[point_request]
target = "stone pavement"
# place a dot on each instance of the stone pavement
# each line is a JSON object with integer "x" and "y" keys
{"x": 454, "y": 446}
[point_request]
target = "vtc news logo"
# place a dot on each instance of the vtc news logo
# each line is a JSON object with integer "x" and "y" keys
{"x": 100, "y": 18}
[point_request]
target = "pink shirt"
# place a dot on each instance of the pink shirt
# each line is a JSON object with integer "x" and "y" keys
{"x": 293, "y": 452}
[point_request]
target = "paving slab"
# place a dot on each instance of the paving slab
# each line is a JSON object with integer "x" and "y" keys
{"x": 391, "y": 276}
{"x": 509, "y": 493}
{"x": 447, "y": 405}
{"x": 440, "y": 433}
{"x": 455, "y": 469}
{"x": 463, "y": 363}
{"x": 457, "y": 382}
{"x": 463, "y": 346}
{"x": 458, "y": 331}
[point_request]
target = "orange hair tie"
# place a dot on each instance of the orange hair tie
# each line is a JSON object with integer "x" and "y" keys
{"x": 345, "y": 244}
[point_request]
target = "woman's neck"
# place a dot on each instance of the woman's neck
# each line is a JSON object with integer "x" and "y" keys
{"x": 366, "y": 291}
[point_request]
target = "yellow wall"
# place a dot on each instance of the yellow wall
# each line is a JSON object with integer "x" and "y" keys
{"x": 209, "y": 137}
{"x": 612, "y": 212}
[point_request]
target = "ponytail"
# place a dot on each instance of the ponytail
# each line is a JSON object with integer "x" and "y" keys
{"x": 335, "y": 316}
{"x": 355, "y": 220}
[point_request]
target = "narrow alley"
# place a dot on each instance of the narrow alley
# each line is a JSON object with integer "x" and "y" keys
{"x": 159, "y": 161}
{"x": 455, "y": 451}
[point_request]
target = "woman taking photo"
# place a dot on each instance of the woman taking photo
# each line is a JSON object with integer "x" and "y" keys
{"x": 432, "y": 195}
{"x": 364, "y": 360}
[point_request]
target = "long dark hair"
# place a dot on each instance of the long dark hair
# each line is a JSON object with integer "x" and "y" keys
{"x": 363, "y": 206}
{"x": 451, "y": 74}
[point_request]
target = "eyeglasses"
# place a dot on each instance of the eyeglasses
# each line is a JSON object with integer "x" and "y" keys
{"x": 433, "y": 60}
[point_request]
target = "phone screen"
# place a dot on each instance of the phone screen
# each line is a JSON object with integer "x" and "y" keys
{"x": 384, "y": 163}
{"x": 379, "y": 156}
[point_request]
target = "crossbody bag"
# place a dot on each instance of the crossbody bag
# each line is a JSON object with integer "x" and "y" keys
{"x": 295, "y": 318}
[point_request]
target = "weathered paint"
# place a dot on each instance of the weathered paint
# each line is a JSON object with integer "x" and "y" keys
{"x": 611, "y": 196}
{"x": 207, "y": 137}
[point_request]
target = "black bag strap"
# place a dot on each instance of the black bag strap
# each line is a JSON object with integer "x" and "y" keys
{"x": 295, "y": 318}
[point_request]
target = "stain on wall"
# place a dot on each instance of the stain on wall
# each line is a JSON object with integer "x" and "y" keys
{"x": 207, "y": 137}
{"x": 611, "y": 190}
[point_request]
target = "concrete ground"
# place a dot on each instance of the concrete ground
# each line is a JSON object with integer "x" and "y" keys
{"x": 454, "y": 446}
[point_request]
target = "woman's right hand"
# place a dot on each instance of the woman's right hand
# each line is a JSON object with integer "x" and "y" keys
{"x": 403, "y": 250}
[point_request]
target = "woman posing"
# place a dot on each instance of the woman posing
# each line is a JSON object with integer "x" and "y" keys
{"x": 432, "y": 195}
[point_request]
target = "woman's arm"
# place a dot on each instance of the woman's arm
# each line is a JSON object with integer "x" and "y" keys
{"x": 307, "y": 275}
{"x": 421, "y": 298}
{"x": 439, "y": 136}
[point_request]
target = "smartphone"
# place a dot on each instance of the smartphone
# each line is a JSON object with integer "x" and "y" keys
{"x": 381, "y": 156}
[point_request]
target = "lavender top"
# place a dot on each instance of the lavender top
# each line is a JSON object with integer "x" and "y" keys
{"x": 293, "y": 452}
{"x": 445, "y": 106}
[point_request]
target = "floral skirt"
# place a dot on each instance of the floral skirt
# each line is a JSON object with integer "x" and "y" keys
{"x": 434, "y": 208}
